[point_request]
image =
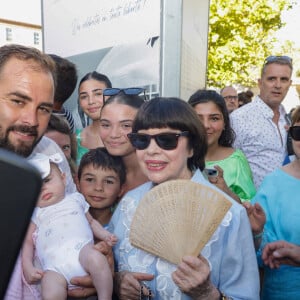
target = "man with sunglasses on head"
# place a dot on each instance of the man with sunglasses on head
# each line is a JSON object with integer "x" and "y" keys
{"x": 230, "y": 96}
{"x": 260, "y": 126}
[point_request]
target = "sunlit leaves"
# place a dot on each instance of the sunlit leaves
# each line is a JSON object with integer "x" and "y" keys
{"x": 241, "y": 35}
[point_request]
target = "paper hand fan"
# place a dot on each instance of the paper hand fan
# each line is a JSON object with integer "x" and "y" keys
{"x": 177, "y": 218}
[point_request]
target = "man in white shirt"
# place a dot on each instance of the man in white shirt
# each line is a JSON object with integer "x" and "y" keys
{"x": 260, "y": 126}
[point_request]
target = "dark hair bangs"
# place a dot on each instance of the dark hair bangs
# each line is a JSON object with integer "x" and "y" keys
{"x": 160, "y": 114}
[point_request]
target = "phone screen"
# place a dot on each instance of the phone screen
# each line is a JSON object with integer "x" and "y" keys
{"x": 210, "y": 172}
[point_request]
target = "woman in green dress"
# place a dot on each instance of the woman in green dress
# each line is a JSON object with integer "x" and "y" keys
{"x": 90, "y": 97}
{"x": 233, "y": 174}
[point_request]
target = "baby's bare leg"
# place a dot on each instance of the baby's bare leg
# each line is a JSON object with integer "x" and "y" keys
{"x": 95, "y": 263}
{"x": 54, "y": 286}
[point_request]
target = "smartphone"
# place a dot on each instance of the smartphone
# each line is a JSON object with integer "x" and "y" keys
{"x": 20, "y": 186}
{"x": 211, "y": 172}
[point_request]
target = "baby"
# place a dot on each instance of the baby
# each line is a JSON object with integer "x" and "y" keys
{"x": 61, "y": 232}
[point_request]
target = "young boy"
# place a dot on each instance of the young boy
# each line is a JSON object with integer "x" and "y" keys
{"x": 63, "y": 229}
{"x": 100, "y": 179}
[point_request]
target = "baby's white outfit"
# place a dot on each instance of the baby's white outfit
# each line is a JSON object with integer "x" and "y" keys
{"x": 62, "y": 231}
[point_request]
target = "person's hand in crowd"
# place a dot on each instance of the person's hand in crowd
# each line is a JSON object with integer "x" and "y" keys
{"x": 218, "y": 179}
{"x": 85, "y": 283}
{"x": 281, "y": 252}
{"x": 256, "y": 217}
{"x": 221, "y": 184}
{"x": 192, "y": 277}
{"x": 128, "y": 286}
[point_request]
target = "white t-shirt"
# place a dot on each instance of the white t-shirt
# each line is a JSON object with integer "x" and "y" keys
{"x": 261, "y": 140}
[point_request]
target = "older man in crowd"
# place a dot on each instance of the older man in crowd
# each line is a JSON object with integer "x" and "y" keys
{"x": 260, "y": 126}
{"x": 230, "y": 96}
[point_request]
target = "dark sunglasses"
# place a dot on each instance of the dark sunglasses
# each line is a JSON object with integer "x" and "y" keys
{"x": 128, "y": 91}
{"x": 274, "y": 58}
{"x": 166, "y": 141}
{"x": 295, "y": 132}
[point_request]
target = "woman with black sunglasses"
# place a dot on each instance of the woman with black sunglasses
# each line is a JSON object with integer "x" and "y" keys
{"x": 171, "y": 144}
{"x": 279, "y": 197}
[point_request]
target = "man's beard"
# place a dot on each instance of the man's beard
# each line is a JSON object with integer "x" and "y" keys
{"x": 22, "y": 148}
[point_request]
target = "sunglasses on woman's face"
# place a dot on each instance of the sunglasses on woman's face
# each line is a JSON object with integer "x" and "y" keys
{"x": 295, "y": 132}
{"x": 166, "y": 141}
{"x": 128, "y": 91}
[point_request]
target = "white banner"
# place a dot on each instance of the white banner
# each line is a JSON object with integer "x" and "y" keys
{"x": 76, "y": 27}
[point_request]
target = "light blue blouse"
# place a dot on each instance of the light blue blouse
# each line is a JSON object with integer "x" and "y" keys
{"x": 280, "y": 198}
{"x": 230, "y": 251}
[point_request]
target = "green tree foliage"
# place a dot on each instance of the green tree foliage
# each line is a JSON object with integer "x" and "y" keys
{"x": 241, "y": 35}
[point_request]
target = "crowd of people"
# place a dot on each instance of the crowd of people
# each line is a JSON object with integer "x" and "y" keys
{"x": 94, "y": 178}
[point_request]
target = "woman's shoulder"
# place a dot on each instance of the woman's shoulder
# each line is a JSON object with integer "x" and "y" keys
{"x": 128, "y": 203}
{"x": 222, "y": 155}
{"x": 275, "y": 176}
{"x": 237, "y": 157}
{"x": 230, "y": 155}
{"x": 283, "y": 176}
{"x": 199, "y": 178}
{"x": 239, "y": 153}
{"x": 139, "y": 191}
{"x": 272, "y": 184}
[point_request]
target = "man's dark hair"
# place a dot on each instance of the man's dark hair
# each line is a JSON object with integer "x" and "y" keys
{"x": 24, "y": 53}
{"x": 66, "y": 78}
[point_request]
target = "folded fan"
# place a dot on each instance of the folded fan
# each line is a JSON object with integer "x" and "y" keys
{"x": 177, "y": 218}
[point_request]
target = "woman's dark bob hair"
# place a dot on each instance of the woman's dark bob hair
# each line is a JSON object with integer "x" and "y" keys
{"x": 175, "y": 113}
{"x": 203, "y": 96}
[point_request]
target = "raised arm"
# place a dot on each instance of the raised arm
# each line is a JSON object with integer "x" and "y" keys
{"x": 219, "y": 181}
{"x": 257, "y": 218}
